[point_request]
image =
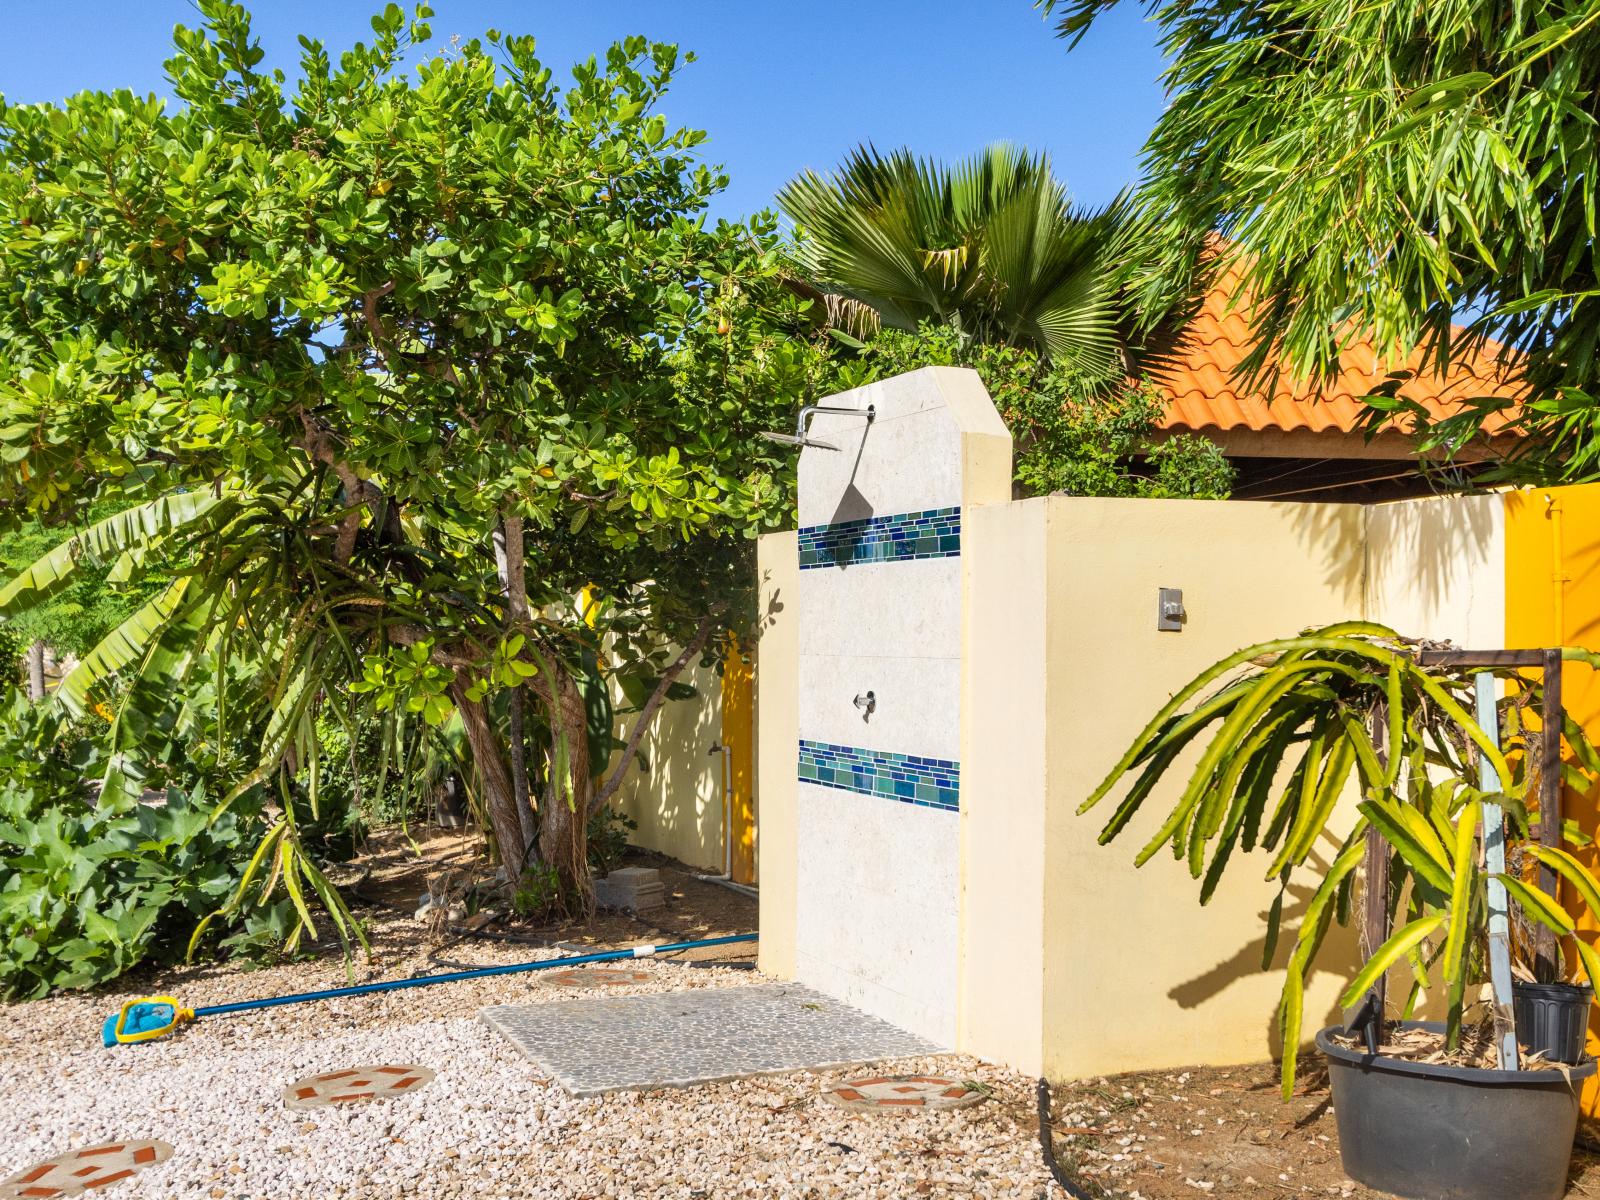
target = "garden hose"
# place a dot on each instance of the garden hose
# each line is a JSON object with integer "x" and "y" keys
{"x": 156, "y": 1016}
{"x": 1047, "y": 1148}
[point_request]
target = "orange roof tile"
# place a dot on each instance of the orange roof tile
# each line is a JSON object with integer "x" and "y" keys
{"x": 1202, "y": 393}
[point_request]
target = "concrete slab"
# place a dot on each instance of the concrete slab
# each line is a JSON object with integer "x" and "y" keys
{"x": 677, "y": 1039}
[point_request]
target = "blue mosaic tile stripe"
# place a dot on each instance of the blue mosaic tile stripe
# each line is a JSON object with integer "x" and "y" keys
{"x": 901, "y": 537}
{"x": 908, "y": 778}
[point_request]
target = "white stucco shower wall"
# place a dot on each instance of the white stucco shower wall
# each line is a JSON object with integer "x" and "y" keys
{"x": 880, "y": 596}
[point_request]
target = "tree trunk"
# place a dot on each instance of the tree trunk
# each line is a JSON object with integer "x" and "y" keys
{"x": 508, "y": 553}
{"x": 563, "y": 832}
{"x": 36, "y": 671}
{"x": 499, "y": 796}
{"x": 648, "y": 712}
{"x": 521, "y": 796}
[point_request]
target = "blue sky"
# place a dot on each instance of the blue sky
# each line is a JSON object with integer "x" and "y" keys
{"x": 779, "y": 87}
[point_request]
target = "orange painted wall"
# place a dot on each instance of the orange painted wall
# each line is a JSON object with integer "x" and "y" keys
{"x": 1553, "y": 599}
{"x": 738, "y": 735}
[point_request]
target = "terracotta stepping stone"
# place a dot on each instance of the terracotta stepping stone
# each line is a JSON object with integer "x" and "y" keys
{"x": 595, "y": 977}
{"x": 355, "y": 1085}
{"x": 80, "y": 1171}
{"x": 904, "y": 1093}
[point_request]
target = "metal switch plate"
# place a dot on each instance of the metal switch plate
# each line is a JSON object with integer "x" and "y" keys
{"x": 1169, "y": 610}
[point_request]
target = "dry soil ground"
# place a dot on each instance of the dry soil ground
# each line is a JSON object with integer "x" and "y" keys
{"x": 1173, "y": 1135}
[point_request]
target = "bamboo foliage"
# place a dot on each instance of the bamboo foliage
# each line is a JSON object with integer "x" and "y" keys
{"x": 1380, "y": 169}
{"x": 1280, "y": 732}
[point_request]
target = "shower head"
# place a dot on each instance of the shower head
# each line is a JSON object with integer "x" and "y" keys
{"x": 800, "y": 437}
{"x": 792, "y": 439}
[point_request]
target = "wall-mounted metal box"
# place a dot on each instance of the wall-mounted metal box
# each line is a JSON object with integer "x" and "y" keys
{"x": 1169, "y": 610}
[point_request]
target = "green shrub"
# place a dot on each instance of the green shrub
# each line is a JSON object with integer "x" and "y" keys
{"x": 44, "y": 758}
{"x": 88, "y": 892}
{"x": 262, "y": 937}
{"x": 12, "y": 648}
{"x": 393, "y": 776}
{"x": 608, "y": 838}
{"x": 539, "y": 893}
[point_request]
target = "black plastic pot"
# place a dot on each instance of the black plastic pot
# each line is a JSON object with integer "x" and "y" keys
{"x": 1552, "y": 1018}
{"x": 1430, "y": 1132}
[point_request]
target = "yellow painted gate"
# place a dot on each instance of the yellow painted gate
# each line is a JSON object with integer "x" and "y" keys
{"x": 1553, "y": 599}
{"x": 738, "y": 735}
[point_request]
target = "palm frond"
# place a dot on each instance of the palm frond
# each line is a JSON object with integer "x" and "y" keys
{"x": 990, "y": 245}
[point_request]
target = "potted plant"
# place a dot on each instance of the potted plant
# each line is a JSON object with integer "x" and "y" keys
{"x": 1284, "y": 731}
{"x": 1551, "y": 1009}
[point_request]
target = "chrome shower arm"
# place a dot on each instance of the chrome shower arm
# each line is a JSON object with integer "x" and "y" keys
{"x": 810, "y": 410}
{"x": 800, "y": 437}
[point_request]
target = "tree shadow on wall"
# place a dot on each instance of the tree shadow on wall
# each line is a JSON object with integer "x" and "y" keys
{"x": 1340, "y": 955}
{"x": 768, "y": 617}
{"x": 674, "y": 788}
{"x": 1369, "y": 551}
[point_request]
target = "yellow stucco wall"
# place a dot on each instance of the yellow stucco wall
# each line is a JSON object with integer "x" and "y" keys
{"x": 1434, "y": 568}
{"x": 1552, "y": 571}
{"x": 1072, "y": 961}
{"x": 1002, "y": 919}
{"x": 777, "y": 655}
{"x": 1136, "y": 974}
{"x": 677, "y": 798}
{"x": 738, "y": 735}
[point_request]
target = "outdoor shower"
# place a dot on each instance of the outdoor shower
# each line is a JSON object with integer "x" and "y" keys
{"x": 801, "y": 435}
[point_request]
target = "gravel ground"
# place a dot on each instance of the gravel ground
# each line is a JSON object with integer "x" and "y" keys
{"x": 488, "y": 1126}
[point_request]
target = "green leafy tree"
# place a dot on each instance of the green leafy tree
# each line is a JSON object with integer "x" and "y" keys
{"x": 380, "y": 373}
{"x": 1390, "y": 168}
{"x": 1070, "y": 434}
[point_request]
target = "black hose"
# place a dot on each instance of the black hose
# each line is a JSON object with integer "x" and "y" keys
{"x": 1047, "y": 1148}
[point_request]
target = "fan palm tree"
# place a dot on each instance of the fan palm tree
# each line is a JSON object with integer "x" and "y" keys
{"x": 990, "y": 246}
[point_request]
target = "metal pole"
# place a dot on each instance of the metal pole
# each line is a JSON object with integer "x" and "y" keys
{"x": 1375, "y": 869}
{"x": 1494, "y": 853}
{"x": 1548, "y": 965}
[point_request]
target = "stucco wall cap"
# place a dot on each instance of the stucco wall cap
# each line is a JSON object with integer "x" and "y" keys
{"x": 957, "y": 390}
{"x": 968, "y": 401}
